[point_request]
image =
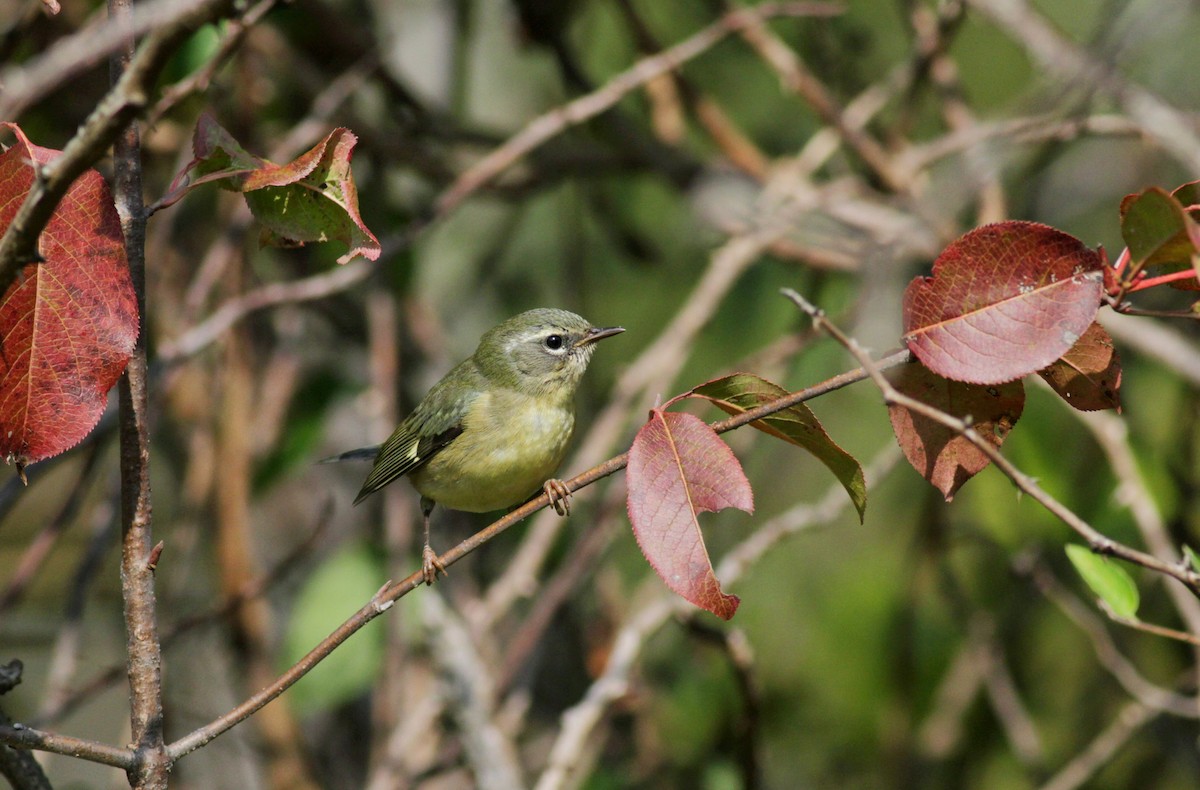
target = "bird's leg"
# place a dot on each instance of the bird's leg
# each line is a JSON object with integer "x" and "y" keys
{"x": 431, "y": 566}
{"x": 560, "y": 496}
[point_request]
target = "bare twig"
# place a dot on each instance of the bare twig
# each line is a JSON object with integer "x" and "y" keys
{"x": 21, "y": 737}
{"x": 58, "y": 707}
{"x": 199, "y": 80}
{"x": 30, "y": 82}
{"x": 797, "y": 78}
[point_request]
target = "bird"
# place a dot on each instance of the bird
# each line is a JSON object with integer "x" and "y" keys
{"x": 495, "y": 428}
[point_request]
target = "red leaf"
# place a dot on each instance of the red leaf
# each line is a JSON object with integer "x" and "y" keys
{"x": 678, "y": 467}
{"x": 1089, "y": 375}
{"x": 68, "y": 325}
{"x": 1004, "y": 300}
{"x": 943, "y": 457}
{"x": 311, "y": 198}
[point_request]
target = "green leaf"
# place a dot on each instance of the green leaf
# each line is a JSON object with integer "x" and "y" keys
{"x": 342, "y": 584}
{"x": 1108, "y": 580}
{"x": 796, "y": 425}
{"x": 1158, "y": 231}
{"x": 1193, "y": 558}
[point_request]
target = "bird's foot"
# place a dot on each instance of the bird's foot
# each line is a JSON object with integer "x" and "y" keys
{"x": 560, "y": 496}
{"x": 431, "y": 566}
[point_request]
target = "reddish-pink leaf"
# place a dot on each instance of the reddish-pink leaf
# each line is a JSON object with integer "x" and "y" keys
{"x": 940, "y": 455}
{"x": 68, "y": 325}
{"x": 1089, "y": 375}
{"x": 1004, "y": 300}
{"x": 678, "y": 468}
{"x": 311, "y": 198}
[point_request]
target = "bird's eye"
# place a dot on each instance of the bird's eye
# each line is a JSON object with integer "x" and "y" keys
{"x": 554, "y": 342}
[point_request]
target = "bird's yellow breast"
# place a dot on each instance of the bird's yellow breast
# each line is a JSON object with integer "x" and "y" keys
{"x": 511, "y": 443}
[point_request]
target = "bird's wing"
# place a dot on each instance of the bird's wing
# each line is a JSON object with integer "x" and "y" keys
{"x": 419, "y": 438}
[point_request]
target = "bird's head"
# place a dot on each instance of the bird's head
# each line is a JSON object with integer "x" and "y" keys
{"x": 543, "y": 351}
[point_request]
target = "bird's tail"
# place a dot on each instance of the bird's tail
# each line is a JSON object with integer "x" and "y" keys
{"x": 361, "y": 454}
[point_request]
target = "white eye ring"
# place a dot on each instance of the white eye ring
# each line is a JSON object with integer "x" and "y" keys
{"x": 554, "y": 342}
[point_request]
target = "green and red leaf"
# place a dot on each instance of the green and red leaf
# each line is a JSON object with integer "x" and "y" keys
{"x": 1005, "y": 300}
{"x": 1159, "y": 231}
{"x": 939, "y": 454}
{"x": 679, "y": 468}
{"x": 311, "y": 198}
{"x": 796, "y": 425}
{"x": 68, "y": 325}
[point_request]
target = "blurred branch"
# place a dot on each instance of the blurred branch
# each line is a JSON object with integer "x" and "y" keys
{"x": 1113, "y": 436}
{"x": 43, "y": 542}
{"x": 252, "y": 589}
{"x": 318, "y": 286}
{"x": 16, "y": 765}
{"x": 469, "y": 690}
{"x": 200, "y": 79}
{"x": 31, "y": 82}
{"x": 1097, "y": 541}
{"x": 1083, "y": 768}
{"x": 1061, "y": 57}
{"x": 1174, "y": 349}
{"x": 1116, "y": 664}
{"x": 550, "y": 124}
{"x": 797, "y": 79}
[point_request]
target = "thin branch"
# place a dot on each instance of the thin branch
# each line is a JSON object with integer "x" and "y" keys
{"x": 251, "y": 590}
{"x": 553, "y": 123}
{"x": 143, "y": 652}
{"x": 19, "y": 736}
{"x": 1097, "y": 541}
{"x": 199, "y": 80}
{"x": 797, "y": 78}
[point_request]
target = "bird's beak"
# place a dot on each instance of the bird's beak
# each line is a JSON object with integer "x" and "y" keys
{"x": 598, "y": 333}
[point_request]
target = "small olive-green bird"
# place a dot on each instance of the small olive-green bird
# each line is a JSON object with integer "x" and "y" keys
{"x": 495, "y": 428}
